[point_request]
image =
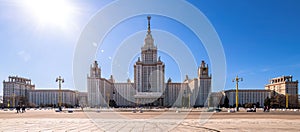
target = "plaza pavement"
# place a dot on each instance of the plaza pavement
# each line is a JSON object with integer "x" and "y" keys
{"x": 49, "y": 120}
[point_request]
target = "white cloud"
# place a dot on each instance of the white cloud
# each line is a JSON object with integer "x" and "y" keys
{"x": 24, "y": 55}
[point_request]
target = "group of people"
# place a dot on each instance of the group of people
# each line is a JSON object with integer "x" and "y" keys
{"x": 19, "y": 108}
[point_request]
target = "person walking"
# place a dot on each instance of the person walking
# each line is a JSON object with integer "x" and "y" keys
{"x": 18, "y": 108}
{"x": 23, "y": 109}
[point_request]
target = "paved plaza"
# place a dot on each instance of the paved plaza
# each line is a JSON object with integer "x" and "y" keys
{"x": 49, "y": 120}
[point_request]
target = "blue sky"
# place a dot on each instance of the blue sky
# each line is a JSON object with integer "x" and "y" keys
{"x": 260, "y": 40}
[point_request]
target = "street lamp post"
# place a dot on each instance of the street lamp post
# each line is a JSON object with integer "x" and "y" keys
{"x": 287, "y": 101}
{"x": 189, "y": 100}
{"x": 8, "y": 103}
{"x": 60, "y": 81}
{"x": 14, "y": 100}
{"x": 237, "y": 80}
{"x": 108, "y": 97}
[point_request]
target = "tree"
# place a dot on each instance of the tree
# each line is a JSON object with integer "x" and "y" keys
{"x": 281, "y": 100}
{"x": 278, "y": 101}
{"x": 226, "y": 102}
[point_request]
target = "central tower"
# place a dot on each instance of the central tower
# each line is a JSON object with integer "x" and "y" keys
{"x": 149, "y": 70}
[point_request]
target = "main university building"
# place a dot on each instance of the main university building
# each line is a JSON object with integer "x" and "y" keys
{"x": 148, "y": 87}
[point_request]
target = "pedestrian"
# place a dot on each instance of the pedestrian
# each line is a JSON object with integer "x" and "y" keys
{"x": 18, "y": 108}
{"x": 23, "y": 109}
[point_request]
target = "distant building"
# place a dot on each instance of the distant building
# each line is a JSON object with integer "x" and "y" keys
{"x": 201, "y": 86}
{"x": 285, "y": 85}
{"x": 149, "y": 87}
{"x": 247, "y": 96}
{"x": 21, "y": 91}
{"x": 16, "y": 91}
{"x": 49, "y": 98}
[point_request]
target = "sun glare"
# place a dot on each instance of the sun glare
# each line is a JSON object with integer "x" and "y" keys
{"x": 54, "y": 12}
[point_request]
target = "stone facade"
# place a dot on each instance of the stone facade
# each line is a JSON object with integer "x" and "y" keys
{"x": 124, "y": 94}
{"x": 177, "y": 95}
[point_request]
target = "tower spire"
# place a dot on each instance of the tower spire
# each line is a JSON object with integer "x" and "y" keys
{"x": 149, "y": 42}
{"x": 149, "y": 29}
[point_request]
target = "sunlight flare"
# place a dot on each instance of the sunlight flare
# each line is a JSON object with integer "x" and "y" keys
{"x": 53, "y": 12}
